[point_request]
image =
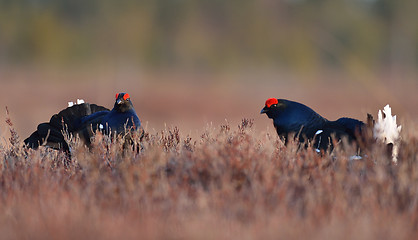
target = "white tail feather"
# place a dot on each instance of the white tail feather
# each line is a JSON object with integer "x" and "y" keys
{"x": 387, "y": 131}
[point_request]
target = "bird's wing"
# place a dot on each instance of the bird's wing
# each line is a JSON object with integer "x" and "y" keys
{"x": 72, "y": 116}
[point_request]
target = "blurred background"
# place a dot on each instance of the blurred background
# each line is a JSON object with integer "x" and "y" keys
{"x": 195, "y": 63}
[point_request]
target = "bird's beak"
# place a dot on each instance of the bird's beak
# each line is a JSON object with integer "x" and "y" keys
{"x": 264, "y": 110}
{"x": 119, "y": 101}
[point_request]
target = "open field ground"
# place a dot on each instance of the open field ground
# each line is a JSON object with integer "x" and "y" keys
{"x": 230, "y": 183}
{"x": 210, "y": 178}
{"x": 192, "y": 101}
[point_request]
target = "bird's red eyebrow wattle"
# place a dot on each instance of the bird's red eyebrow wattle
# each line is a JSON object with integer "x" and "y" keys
{"x": 117, "y": 95}
{"x": 271, "y": 101}
{"x": 126, "y": 96}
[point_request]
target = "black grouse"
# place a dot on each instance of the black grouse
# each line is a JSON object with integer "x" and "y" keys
{"x": 83, "y": 120}
{"x": 295, "y": 118}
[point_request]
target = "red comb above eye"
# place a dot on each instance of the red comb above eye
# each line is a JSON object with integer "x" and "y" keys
{"x": 117, "y": 95}
{"x": 271, "y": 101}
{"x": 126, "y": 96}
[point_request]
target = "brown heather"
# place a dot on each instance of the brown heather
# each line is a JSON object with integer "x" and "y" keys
{"x": 231, "y": 183}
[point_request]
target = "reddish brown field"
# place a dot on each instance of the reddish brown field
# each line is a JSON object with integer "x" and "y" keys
{"x": 232, "y": 179}
{"x": 192, "y": 101}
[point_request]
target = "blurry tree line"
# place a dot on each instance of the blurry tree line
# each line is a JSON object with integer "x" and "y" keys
{"x": 301, "y": 35}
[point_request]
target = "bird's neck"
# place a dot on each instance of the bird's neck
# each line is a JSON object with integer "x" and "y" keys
{"x": 121, "y": 108}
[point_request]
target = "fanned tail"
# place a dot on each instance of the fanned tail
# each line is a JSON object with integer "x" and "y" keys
{"x": 68, "y": 120}
{"x": 387, "y": 131}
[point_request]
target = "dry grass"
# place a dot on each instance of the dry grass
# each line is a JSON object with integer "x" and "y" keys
{"x": 230, "y": 183}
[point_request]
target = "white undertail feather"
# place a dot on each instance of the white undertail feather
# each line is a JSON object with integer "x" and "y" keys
{"x": 79, "y": 101}
{"x": 387, "y": 131}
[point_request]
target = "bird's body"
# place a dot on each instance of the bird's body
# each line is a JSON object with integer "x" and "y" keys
{"x": 84, "y": 120}
{"x": 291, "y": 117}
{"x": 111, "y": 122}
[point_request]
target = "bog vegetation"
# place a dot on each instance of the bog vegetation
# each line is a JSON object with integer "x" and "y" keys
{"x": 230, "y": 183}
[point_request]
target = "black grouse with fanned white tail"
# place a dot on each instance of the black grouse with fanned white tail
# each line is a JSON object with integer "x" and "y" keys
{"x": 84, "y": 120}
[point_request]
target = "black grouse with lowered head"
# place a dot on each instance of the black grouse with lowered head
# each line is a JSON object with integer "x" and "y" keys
{"x": 295, "y": 118}
{"x": 83, "y": 120}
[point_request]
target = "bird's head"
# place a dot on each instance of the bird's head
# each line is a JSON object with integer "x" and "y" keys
{"x": 273, "y": 107}
{"x": 289, "y": 115}
{"x": 123, "y": 102}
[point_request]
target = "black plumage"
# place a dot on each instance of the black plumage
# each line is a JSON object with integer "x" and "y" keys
{"x": 291, "y": 117}
{"x": 84, "y": 120}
